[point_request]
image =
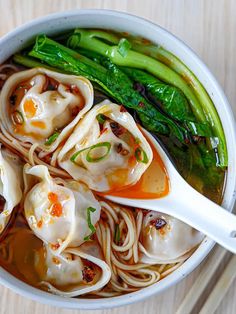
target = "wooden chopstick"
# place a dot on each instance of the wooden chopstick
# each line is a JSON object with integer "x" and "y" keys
{"x": 202, "y": 281}
{"x": 220, "y": 288}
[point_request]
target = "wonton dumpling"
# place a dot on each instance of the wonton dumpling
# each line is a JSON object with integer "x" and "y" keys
{"x": 106, "y": 150}
{"x": 165, "y": 239}
{"x": 39, "y": 103}
{"x": 10, "y": 184}
{"x": 74, "y": 272}
{"x": 60, "y": 216}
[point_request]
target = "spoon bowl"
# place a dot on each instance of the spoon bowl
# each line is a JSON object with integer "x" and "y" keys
{"x": 185, "y": 203}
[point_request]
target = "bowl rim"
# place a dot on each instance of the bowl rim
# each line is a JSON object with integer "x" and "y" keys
{"x": 188, "y": 266}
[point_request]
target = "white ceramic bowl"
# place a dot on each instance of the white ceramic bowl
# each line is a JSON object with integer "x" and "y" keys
{"x": 56, "y": 23}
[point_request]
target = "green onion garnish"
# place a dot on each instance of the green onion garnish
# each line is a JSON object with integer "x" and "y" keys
{"x": 141, "y": 155}
{"x": 90, "y": 225}
{"x": 107, "y": 145}
{"x": 52, "y": 139}
{"x": 117, "y": 234}
{"x": 101, "y": 118}
{"x": 89, "y": 158}
{"x": 123, "y": 47}
{"x": 75, "y": 155}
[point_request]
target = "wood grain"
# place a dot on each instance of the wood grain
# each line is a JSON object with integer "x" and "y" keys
{"x": 208, "y": 27}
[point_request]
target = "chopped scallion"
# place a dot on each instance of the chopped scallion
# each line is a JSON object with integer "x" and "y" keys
{"x": 106, "y": 145}
{"x": 117, "y": 234}
{"x": 90, "y": 225}
{"x": 141, "y": 155}
{"x": 89, "y": 158}
{"x": 101, "y": 118}
{"x": 52, "y": 139}
{"x": 75, "y": 155}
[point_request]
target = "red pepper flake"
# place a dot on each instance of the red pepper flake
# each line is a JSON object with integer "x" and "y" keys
{"x": 141, "y": 104}
{"x": 53, "y": 198}
{"x": 122, "y": 109}
{"x": 117, "y": 129}
{"x": 159, "y": 223}
{"x": 122, "y": 151}
{"x": 103, "y": 131}
{"x": 56, "y": 210}
{"x": 55, "y": 247}
{"x": 88, "y": 274}
{"x": 39, "y": 224}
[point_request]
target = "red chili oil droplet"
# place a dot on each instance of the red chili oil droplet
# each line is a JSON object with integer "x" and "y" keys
{"x": 56, "y": 210}
{"x": 53, "y": 198}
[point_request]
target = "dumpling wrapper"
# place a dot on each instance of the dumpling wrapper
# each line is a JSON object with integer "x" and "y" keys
{"x": 116, "y": 169}
{"x": 65, "y": 274}
{"x": 11, "y": 180}
{"x": 57, "y": 214}
{"x": 43, "y": 112}
{"x": 169, "y": 244}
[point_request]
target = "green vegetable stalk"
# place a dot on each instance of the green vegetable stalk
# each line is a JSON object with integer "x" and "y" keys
{"x": 91, "y": 40}
{"x": 166, "y": 57}
{"x": 161, "y": 64}
{"x": 111, "y": 79}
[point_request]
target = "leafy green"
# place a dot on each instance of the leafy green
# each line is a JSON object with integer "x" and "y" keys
{"x": 165, "y": 66}
{"x": 113, "y": 80}
{"x": 122, "y": 88}
{"x": 171, "y": 100}
{"x": 170, "y": 60}
{"x": 91, "y": 40}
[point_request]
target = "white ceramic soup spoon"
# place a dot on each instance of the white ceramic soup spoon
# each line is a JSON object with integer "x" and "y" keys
{"x": 188, "y": 205}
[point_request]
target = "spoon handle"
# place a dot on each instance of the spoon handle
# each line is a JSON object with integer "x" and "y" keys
{"x": 193, "y": 208}
{"x": 202, "y": 214}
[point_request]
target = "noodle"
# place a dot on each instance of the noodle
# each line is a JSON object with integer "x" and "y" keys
{"x": 127, "y": 273}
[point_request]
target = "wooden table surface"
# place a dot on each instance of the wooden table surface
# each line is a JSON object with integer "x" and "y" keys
{"x": 208, "y": 27}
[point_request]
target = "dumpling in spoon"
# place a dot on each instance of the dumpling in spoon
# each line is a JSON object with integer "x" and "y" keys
{"x": 165, "y": 239}
{"x": 10, "y": 184}
{"x": 106, "y": 150}
{"x": 60, "y": 214}
{"x": 74, "y": 272}
{"x": 42, "y": 106}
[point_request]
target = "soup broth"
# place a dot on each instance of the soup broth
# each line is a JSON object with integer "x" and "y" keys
{"x": 79, "y": 243}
